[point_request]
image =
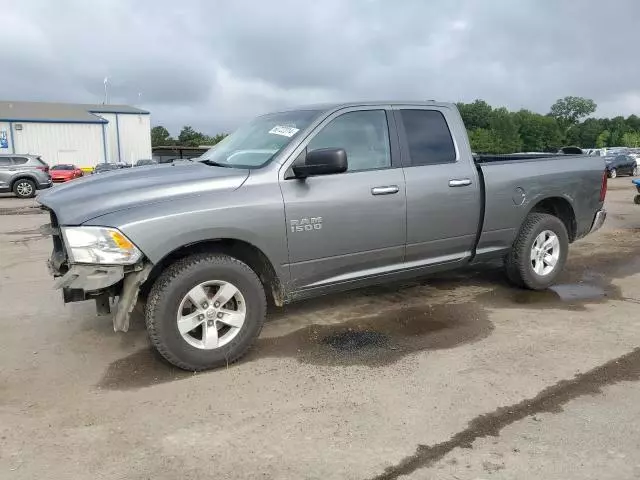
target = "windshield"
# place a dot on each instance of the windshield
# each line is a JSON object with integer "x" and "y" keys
{"x": 256, "y": 143}
{"x": 63, "y": 167}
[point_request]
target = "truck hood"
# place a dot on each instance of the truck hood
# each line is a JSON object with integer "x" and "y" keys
{"x": 85, "y": 198}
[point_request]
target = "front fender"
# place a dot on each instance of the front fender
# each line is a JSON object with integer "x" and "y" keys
{"x": 255, "y": 217}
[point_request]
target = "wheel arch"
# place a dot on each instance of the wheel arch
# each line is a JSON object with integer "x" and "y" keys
{"x": 561, "y": 208}
{"x": 244, "y": 251}
{"x": 23, "y": 176}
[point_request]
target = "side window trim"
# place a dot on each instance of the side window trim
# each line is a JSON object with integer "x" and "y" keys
{"x": 402, "y": 135}
{"x": 392, "y": 127}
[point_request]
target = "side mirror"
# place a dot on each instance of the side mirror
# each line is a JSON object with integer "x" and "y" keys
{"x": 323, "y": 161}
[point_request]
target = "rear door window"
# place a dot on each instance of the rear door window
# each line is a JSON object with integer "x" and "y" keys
{"x": 428, "y": 137}
{"x": 20, "y": 160}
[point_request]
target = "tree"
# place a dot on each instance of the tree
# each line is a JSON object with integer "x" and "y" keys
{"x": 213, "y": 140}
{"x": 476, "y": 114}
{"x": 539, "y": 133}
{"x": 160, "y": 136}
{"x": 631, "y": 139}
{"x": 603, "y": 139}
{"x": 505, "y": 130}
{"x": 569, "y": 110}
{"x": 189, "y": 137}
{"x": 483, "y": 141}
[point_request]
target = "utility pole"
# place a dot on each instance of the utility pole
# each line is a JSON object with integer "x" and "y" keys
{"x": 106, "y": 91}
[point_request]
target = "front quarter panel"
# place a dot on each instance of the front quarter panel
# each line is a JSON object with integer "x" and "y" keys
{"x": 254, "y": 213}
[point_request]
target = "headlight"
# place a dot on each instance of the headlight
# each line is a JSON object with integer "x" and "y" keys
{"x": 99, "y": 245}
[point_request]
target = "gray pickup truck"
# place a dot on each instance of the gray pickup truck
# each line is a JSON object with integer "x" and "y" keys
{"x": 305, "y": 202}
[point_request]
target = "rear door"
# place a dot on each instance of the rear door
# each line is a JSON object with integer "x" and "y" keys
{"x": 443, "y": 194}
{"x": 351, "y": 225}
{"x": 6, "y": 167}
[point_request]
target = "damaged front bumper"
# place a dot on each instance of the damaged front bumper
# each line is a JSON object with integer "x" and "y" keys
{"x": 101, "y": 283}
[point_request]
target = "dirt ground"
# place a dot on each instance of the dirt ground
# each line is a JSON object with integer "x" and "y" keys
{"x": 454, "y": 377}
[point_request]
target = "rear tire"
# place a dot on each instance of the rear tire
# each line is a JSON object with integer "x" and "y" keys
{"x": 538, "y": 253}
{"x": 613, "y": 173}
{"x": 636, "y": 199}
{"x": 166, "y": 307}
{"x": 636, "y": 172}
{"x": 24, "y": 188}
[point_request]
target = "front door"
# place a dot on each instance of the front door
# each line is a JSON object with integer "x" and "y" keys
{"x": 351, "y": 225}
{"x": 443, "y": 192}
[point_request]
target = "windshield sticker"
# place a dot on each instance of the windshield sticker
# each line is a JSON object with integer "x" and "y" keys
{"x": 284, "y": 131}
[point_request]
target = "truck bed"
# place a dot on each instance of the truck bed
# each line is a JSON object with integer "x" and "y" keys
{"x": 512, "y": 185}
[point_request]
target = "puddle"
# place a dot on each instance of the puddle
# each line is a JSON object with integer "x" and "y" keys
{"x": 380, "y": 339}
{"x": 143, "y": 368}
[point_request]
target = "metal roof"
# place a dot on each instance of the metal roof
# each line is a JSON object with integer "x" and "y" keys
{"x": 60, "y": 112}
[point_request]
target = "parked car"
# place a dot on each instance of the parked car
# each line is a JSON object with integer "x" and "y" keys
{"x": 621, "y": 165}
{"x": 64, "y": 172}
{"x": 23, "y": 174}
{"x": 145, "y": 162}
{"x": 306, "y": 202}
{"x": 106, "y": 167}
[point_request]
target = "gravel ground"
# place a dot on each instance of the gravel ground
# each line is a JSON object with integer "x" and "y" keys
{"x": 454, "y": 377}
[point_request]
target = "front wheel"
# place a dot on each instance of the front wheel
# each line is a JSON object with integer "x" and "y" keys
{"x": 24, "y": 188}
{"x": 636, "y": 172}
{"x": 613, "y": 173}
{"x": 205, "y": 311}
{"x": 539, "y": 252}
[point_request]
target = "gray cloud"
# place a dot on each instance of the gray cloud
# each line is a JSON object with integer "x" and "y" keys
{"x": 213, "y": 64}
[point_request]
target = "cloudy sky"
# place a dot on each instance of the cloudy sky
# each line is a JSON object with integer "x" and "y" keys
{"x": 213, "y": 64}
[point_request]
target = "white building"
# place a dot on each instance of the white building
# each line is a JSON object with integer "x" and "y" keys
{"x": 84, "y": 135}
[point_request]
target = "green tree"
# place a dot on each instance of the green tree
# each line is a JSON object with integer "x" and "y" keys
{"x": 603, "y": 139}
{"x": 631, "y": 139}
{"x": 505, "y": 129}
{"x": 483, "y": 141}
{"x": 160, "y": 136}
{"x": 569, "y": 110}
{"x": 476, "y": 114}
{"x": 539, "y": 133}
{"x": 190, "y": 138}
{"x": 213, "y": 140}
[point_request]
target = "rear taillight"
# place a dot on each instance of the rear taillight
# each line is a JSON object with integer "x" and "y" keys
{"x": 603, "y": 187}
{"x": 44, "y": 169}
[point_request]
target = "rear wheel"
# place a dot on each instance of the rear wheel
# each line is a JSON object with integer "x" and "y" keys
{"x": 636, "y": 172}
{"x": 539, "y": 252}
{"x": 613, "y": 173}
{"x": 636, "y": 199}
{"x": 205, "y": 311}
{"x": 24, "y": 188}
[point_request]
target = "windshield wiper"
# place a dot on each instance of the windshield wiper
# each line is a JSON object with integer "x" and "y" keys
{"x": 212, "y": 163}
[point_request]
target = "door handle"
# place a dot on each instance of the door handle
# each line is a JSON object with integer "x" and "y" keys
{"x": 459, "y": 182}
{"x": 389, "y": 190}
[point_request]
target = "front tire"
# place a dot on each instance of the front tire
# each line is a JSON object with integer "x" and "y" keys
{"x": 205, "y": 311}
{"x": 539, "y": 252}
{"x": 636, "y": 172}
{"x": 24, "y": 188}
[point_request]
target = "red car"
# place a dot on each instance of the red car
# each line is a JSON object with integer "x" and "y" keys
{"x": 64, "y": 173}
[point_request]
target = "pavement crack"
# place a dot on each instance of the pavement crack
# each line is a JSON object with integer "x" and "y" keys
{"x": 551, "y": 399}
